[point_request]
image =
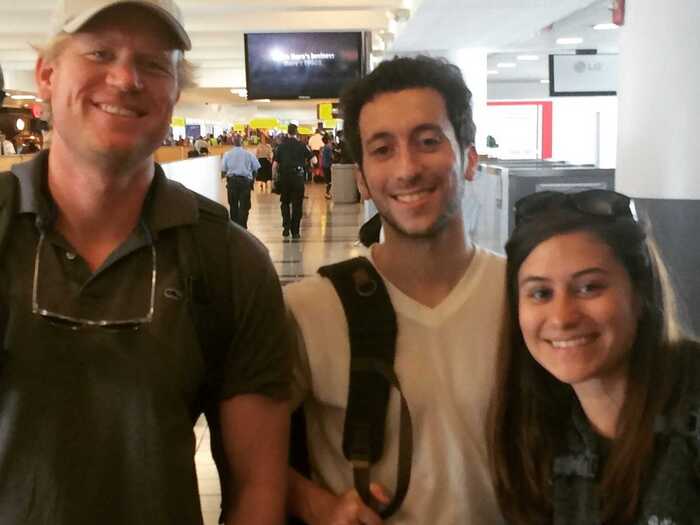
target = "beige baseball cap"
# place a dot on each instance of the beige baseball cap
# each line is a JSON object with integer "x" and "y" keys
{"x": 70, "y": 15}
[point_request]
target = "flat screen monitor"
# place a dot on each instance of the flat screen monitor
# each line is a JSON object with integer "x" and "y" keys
{"x": 582, "y": 75}
{"x": 286, "y": 66}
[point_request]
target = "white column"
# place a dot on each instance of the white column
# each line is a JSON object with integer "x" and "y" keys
{"x": 474, "y": 68}
{"x": 658, "y": 154}
{"x": 659, "y": 100}
{"x": 473, "y": 64}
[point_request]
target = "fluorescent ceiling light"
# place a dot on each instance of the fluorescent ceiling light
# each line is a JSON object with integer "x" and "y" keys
{"x": 505, "y": 65}
{"x": 263, "y": 100}
{"x": 528, "y": 58}
{"x": 22, "y": 97}
{"x": 544, "y": 81}
{"x": 605, "y": 27}
{"x": 569, "y": 40}
{"x": 492, "y": 72}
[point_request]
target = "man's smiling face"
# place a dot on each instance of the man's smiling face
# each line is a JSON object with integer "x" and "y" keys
{"x": 113, "y": 86}
{"x": 412, "y": 167}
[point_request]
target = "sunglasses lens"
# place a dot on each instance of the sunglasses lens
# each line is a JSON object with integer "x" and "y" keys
{"x": 536, "y": 203}
{"x": 602, "y": 202}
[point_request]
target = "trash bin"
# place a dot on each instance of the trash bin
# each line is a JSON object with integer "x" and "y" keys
{"x": 344, "y": 187}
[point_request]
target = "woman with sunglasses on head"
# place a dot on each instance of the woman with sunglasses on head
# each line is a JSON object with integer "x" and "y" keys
{"x": 595, "y": 416}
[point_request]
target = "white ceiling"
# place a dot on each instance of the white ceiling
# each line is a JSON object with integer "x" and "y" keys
{"x": 502, "y": 27}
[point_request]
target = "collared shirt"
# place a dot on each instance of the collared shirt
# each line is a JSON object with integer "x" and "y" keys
{"x": 240, "y": 162}
{"x": 96, "y": 424}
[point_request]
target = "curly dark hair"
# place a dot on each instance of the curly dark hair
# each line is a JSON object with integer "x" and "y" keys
{"x": 402, "y": 73}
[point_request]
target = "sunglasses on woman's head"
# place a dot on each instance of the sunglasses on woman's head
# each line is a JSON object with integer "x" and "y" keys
{"x": 600, "y": 203}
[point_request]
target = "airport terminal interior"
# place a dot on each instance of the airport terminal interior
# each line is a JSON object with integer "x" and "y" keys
{"x": 565, "y": 95}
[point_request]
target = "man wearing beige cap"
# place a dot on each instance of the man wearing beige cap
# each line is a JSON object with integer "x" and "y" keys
{"x": 121, "y": 315}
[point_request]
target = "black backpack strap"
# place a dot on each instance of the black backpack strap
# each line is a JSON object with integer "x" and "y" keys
{"x": 204, "y": 262}
{"x": 372, "y": 331}
{"x": 8, "y": 200}
{"x": 8, "y": 207}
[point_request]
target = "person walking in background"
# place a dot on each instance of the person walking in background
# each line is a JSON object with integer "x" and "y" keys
{"x": 264, "y": 154}
{"x": 239, "y": 167}
{"x": 130, "y": 304}
{"x": 595, "y": 415}
{"x": 289, "y": 161}
{"x": 326, "y": 158}
{"x": 315, "y": 145}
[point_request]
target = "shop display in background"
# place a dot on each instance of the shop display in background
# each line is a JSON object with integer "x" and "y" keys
{"x": 22, "y": 129}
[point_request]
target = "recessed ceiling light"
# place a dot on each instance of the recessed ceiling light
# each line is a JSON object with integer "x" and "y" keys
{"x": 544, "y": 81}
{"x": 605, "y": 27}
{"x": 505, "y": 65}
{"x": 492, "y": 72}
{"x": 22, "y": 97}
{"x": 528, "y": 58}
{"x": 569, "y": 40}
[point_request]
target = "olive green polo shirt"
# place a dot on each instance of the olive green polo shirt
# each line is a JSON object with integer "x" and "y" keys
{"x": 96, "y": 423}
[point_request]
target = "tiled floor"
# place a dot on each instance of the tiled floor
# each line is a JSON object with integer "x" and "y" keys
{"x": 328, "y": 234}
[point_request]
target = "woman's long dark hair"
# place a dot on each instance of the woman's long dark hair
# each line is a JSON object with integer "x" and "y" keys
{"x": 530, "y": 408}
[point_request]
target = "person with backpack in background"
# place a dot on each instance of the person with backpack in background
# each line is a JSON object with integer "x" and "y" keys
{"x": 128, "y": 303}
{"x": 442, "y": 328}
{"x": 288, "y": 165}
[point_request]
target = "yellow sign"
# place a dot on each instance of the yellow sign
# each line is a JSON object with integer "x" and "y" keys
{"x": 239, "y": 127}
{"x": 178, "y": 122}
{"x": 264, "y": 123}
{"x": 304, "y": 130}
{"x": 325, "y": 111}
{"x": 329, "y": 124}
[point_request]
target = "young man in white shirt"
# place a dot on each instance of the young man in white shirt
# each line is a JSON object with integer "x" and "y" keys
{"x": 409, "y": 125}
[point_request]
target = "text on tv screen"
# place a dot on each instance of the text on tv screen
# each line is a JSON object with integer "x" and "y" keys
{"x": 301, "y": 65}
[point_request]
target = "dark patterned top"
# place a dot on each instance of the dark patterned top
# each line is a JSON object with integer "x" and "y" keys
{"x": 672, "y": 495}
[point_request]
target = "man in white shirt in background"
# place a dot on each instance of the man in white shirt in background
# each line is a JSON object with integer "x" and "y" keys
{"x": 6, "y": 147}
{"x": 449, "y": 298}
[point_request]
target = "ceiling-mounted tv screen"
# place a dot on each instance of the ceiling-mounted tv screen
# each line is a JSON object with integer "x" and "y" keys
{"x": 582, "y": 75}
{"x": 286, "y": 66}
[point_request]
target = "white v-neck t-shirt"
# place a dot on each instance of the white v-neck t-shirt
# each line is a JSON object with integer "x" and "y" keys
{"x": 445, "y": 362}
